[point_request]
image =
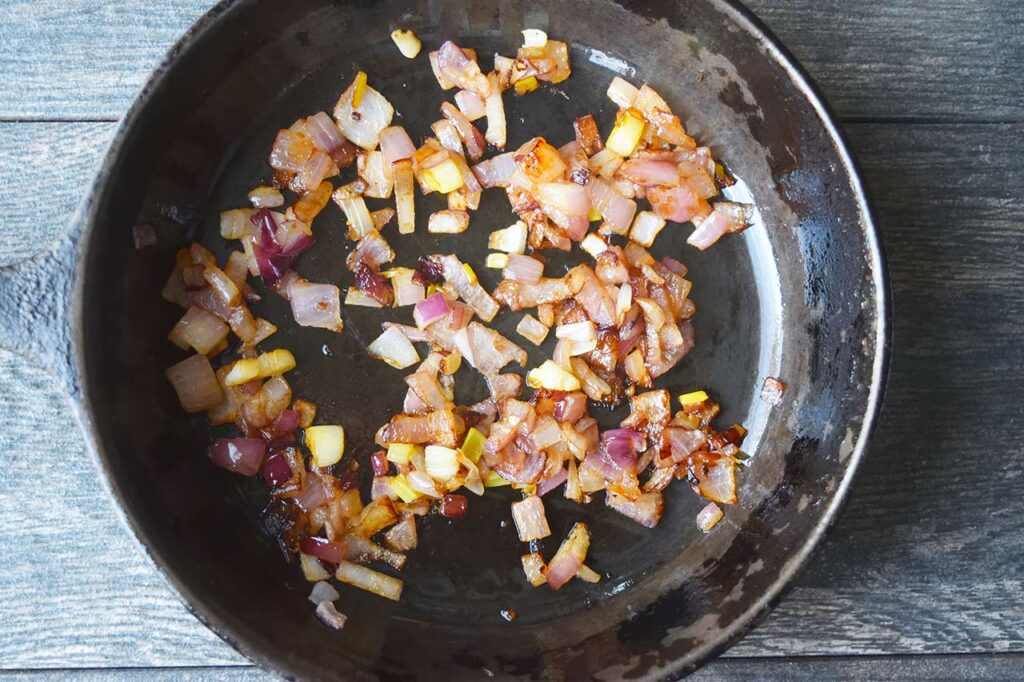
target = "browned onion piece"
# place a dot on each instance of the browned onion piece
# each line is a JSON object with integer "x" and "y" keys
{"x": 442, "y": 427}
{"x": 196, "y": 384}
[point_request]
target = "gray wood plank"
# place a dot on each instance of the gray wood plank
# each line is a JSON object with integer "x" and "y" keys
{"x": 873, "y": 58}
{"x": 925, "y": 558}
{"x": 951, "y": 667}
{"x": 44, "y": 171}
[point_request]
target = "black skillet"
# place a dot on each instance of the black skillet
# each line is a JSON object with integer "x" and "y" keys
{"x": 800, "y": 296}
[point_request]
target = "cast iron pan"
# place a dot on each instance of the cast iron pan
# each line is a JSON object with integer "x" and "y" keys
{"x": 800, "y": 296}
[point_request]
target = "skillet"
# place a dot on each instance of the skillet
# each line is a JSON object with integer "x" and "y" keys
{"x": 801, "y": 296}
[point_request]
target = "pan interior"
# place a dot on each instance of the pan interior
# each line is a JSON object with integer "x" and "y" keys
{"x": 200, "y": 143}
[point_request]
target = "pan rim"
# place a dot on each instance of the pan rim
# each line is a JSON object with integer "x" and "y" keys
{"x": 746, "y": 21}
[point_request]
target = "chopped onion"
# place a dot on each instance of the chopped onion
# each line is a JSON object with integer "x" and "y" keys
{"x": 772, "y": 390}
{"x": 359, "y": 221}
{"x": 369, "y": 580}
{"x": 404, "y": 198}
{"x": 266, "y": 197}
{"x": 322, "y": 549}
{"x": 317, "y": 168}
{"x": 570, "y": 556}
{"x": 709, "y": 516}
{"x": 313, "y": 569}
{"x": 469, "y": 290}
{"x": 471, "y": 137}
{"x": 430, "y": 310}
{"x": 393, "y": 348}
{"x": 448, "y": 136}
{"x": 448, "y": 222}
{"x": 470, "y": 104}
{"x": 534, "y": 568}
{"x": 196, "y": 385}
{"x": 241, "y": 455}
{"x": 323, "y": 592}
{"x": 376, "y": 171}
{"x": 512, "y": 239}
{"x": 646, "y": 510}
{"x": 523, "y": 269}
{"x": 359, "y": 297}
{"x": 495, "y": 110}
{"x": 581, "y": 335}
{"x": 454, "y": 68}
{"x": 724, "y": 218}
{"x": 408, "y": 44}
{"x": 324, "y": 133}
{"x": 566, "y": 204}
{"x": 440, "y": 463}
{"x": 395, "y": 144}
{"x": 616, "y": 209}
{"x": 422, "y": 483}
{"x": 330, "y": 615}
{"x": 549, "y": 484}
{"x": 532, "y": 330}
{"x": 198, "y": 330}
{"x": 316, "y": 305}
{"x": 496, "y": 171}
{"x": 531, "y": 522}
{"x": 679, "y": 203}
{"x": 552, "y": 377}
{"x": 534, "y": 37}
{"x": 363, "y": 124}
{"x": 622, "y": 92}
{"x": 650, "y": 172}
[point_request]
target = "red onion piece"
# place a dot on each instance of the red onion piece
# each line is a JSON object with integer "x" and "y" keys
{"x": 241, "y": 455}
{"x": 683, "y": 442}
{"x": 675, "y": 266}
{"x": 562, "y": 569}
{"x": 431, "y": 309}
{"x": 396, "y": 144}
{"x": 313, "y": 495}
{"x": 324, "y": 133}
{"x": 496, "y": 171}
{"x": 571, "y": 407}
{"x": 379, "y": 462}
{"x": 287, "y": 422}
{"x": 329, "y": 614}
{"x": 709, "y": 516}
{"x": 471, "y": 137}
{"x": 616, "y": 209}
{"x": 348, "y": 480}
{"x": 650, "y": 172}
{"x": 531, "y": 522}
{"x": 453, "y": 506}
{"x": 322, "y": 548}
{"x": 273, "y": 260}
{"x": 316, "y": 305}
{"x": 196, "y": 385}
{"x": 549, "y": 484}
{"x": 470, "y": 104}
{"x": 523, "y": 269}
{"x": 276, "y": 470}
{"x": 674, "y": 203}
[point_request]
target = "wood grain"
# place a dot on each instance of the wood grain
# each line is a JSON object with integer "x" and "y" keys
{"x": 953, "y": 667}
{"x": 44, "y": 171}
{"x": 924, "y": 560}
{"x": 915, "y": 59}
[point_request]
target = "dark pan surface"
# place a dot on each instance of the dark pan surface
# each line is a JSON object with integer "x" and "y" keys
{"x": 798, "y": 297}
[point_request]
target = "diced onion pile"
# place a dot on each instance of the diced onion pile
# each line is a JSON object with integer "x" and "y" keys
{"x": 620, "y": 320}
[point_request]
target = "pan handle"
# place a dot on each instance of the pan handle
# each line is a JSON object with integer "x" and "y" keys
{"x": 37, "y": 303}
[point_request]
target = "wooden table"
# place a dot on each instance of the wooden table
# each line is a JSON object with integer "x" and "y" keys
{"x": 922, "y": 577}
